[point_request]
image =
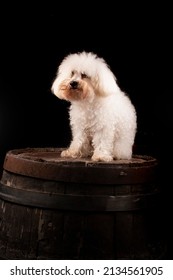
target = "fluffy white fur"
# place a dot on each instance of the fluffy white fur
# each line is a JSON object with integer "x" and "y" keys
{"x": 102, "y": 117}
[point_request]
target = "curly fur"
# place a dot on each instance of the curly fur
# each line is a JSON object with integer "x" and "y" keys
{"x": 102, "y": 117}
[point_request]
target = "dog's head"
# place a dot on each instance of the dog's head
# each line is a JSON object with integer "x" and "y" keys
{"x": 82, "y": 76}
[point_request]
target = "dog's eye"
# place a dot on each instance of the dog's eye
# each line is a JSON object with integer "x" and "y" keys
{"x": 83, "y": 75}
{"x": 72, "y": 73}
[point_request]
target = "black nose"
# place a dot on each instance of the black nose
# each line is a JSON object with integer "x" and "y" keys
{"x": 74, "y": 84}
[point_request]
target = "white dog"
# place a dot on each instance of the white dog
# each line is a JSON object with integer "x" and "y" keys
{"x": 102, "y": 117}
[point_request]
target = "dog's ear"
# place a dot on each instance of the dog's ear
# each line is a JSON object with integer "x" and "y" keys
{"x": 106, "y": 81}
{"x": 55, "y": 85}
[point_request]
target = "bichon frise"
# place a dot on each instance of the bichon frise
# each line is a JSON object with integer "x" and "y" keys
{"x": 102, "y": 117}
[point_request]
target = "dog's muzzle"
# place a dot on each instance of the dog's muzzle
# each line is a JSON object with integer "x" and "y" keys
{"x": 74, "y": 84}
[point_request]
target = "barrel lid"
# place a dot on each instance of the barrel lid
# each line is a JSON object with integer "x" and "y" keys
{"x": 46, "y": 163}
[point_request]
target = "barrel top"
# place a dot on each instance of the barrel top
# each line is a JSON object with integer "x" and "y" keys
{"x": 47, "y": 163}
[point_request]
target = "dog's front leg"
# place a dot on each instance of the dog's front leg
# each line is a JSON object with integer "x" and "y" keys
{"x": 79, "y": 147}
{"x": 103, "y": 146}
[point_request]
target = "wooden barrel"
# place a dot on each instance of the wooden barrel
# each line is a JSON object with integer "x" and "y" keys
{"x": 57, "y": 208}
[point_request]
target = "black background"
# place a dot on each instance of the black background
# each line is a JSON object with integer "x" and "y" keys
{"x": 135, "y": 40}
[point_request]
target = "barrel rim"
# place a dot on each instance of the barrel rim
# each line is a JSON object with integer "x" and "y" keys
{"x": 24, "y": 153}
{"x": 19, "y": 161}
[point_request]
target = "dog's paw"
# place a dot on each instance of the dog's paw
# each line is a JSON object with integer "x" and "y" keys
{"x": 105, "y": 158}
{"x": 70, "y": 153}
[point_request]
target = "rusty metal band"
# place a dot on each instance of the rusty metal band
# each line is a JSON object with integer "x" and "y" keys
{"x": 79, "y": 202}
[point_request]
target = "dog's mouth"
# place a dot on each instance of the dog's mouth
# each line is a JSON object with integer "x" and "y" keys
{"x": 72, "y": 93}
